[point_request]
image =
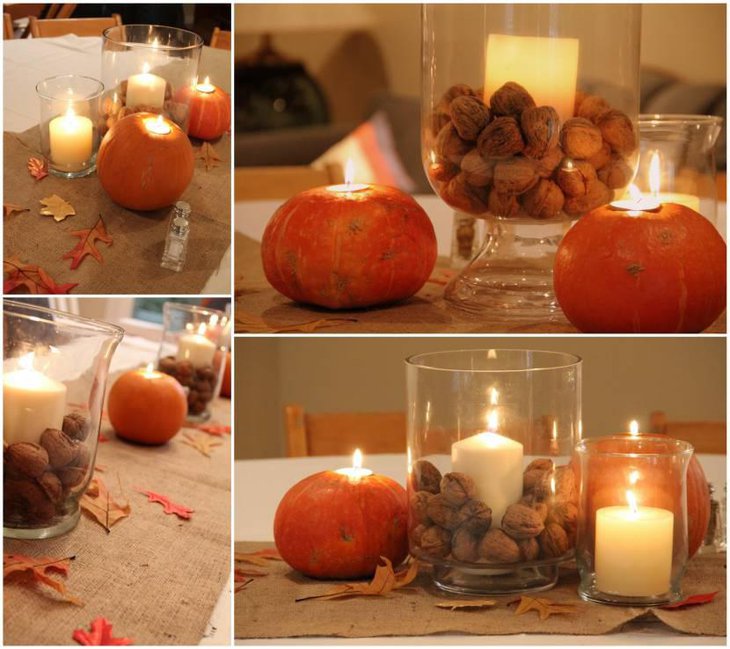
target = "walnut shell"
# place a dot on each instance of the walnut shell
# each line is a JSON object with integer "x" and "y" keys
{"x": 530, "y": 478}
{"x": 76, "y": 426}
{"x": 497, "y": 547}
{"x": 464, "y": 197}
{"x": 450, "y": 146}
{"x": 580, "y": 138}
{"x": 443, "y": 513}
{"x": 542, "y": 464}
{"x": 529, "y": 549}
{"x": 442, "y": 171}
{"x": 564, "y": 514}
{"x": 617, "y": 129}
{"x": 60, "y": 447}
{"x": 425, "y": 477}
{"x": 500, "y": 204}
{"x": 574, "y": 177}
{"x": 33, "y": 502}
{"x": 540, "y": 128}
{"x": 549, "y": 162}
{"x": 477, "y": 516}
{"x": 597, "y": 194}
{"x": 416, "y": 533}
{"x": 457, "y": 488}
{"x": 544, "y": 200}
{"x": 615, "y": 174}
{"x": 541, "y": 509}
{"x": 515, "y": 175}
{"x": 500, "y": 139}
{"x": 83, "y": 456}
{"x": 521, "y": 522}
{"x": 592, "y": 107}
{"x": 469, "y": 116}
{"x": 51, "y": 485}
{"x": 477, "y": 171}
{"x": 510, "y": 99}
{"x": 27, "y": 458}
{"x": 553, "y": 541}
{"x": 565, "y": 483}
{"x": 71, "y": 476}
{"x": 436, "y": 542}
{"x": 465, "y": 546}
{"x": 458, "y": 90}
{"x": 419, "y": 506}
{"x": 602, "y": 158}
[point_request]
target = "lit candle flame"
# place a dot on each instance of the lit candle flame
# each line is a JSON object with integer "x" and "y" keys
{"x": 637, "y": 202}
{"x": 70, "y": 111}
{"x": 145, "y": 68}
{"x": 349, "y": 172}
{"x": 654, "y": 174}
{"x": 202, "y": 329}
{"x": 357, "y": 459}
{"x": 492, "y": 420}
{"x": 349, "y": 187}
{"x": 206, "y": 86}
{"x": 25, "y": 362}
{"x": 631, "y": 500}
{"x": 555, "y": 431}
{"x": 634, "y": 477}
{"x": 158, "y": 126}
{"x": 493, "y": 396}
{"x": 634, "y": 428}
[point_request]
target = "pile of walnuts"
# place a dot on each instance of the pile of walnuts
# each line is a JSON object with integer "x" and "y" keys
{"x": 513, "y": 158}
{"x": 447, "y": 521}
{"x": 200, "y": 381}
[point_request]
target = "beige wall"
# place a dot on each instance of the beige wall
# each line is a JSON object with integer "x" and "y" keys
{"x": 623, "y": 378}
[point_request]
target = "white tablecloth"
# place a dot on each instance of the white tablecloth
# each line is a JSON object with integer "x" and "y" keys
{"x": 255, "y": 507}
{"x": 28, "y": 61}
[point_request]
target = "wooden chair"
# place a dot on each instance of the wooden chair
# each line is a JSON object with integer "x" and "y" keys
{"x": 220, "y": 39}
{"x": 8, "y": 31}
{"x": 265, "y": 183}
{"x": 45, "y": 28}
{"x": 340, "y": 433}
{"x": 705, "y": 436}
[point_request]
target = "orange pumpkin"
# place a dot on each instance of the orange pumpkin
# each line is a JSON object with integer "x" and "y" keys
{"x": 141, "y": 169}
{"x": 147, "y": 406}
{"x": 349, "y": 249}
{"x": 226, "y": 380}
{"x": 327, "y": 526}
{"x": 660, "y": 271}
{"x": 210, "y": 112}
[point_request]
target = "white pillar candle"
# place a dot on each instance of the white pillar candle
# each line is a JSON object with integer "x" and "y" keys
{"x": 71, "y": 138}
{"x": 634, "y": 550}
{"x": 546, "y": 67}
{"x": 494, "y": 462}
{"x": 146, "y": 89}
{"x": 195, "y": 348}
{"x": 32, "y": 402}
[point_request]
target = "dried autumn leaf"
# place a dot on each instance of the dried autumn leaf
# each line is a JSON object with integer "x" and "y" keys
{"x": 543, "y": 606}
{"x": 169, "y": 507}
{"x": 467, "y": 604}
{"x": 33, "y": 277}
{"x": 37, "y": 568}
{"x": 692, "y": 600}
{"x": 201, "y": 443}
{"x": 85, "y": 246}
{"x": 255, "y": 324}
{"x": 56, "y": 207}
{"x": 385, "y": 580}
{"x": 101, "y": 506}
{"x": 214, "y": 429}
{"x": 242, "y": 583}
{"x": 258, "y": 558}
{"x": 11, "y": 208}
{"x": 209, "y": 156}
{"x": 100, "y": 633}
{"x": 37, "y": 168}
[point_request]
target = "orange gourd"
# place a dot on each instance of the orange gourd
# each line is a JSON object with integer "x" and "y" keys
{"x": 210, "y": 113}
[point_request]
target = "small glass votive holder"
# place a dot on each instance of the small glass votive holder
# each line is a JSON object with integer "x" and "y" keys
{"x": 632, "y": 545}
{"x": 150, "y": 68}
{"x": 193, "y": 350}
{"x": 677, "y": 160}
{"x": 492, "y": 495}
{"x": 69, "y": 126}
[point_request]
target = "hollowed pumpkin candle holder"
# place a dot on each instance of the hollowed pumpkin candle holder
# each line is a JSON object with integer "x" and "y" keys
{"x": 149, "y": 68}
{"x": 193, "y": 350}
{"x": 528, "y": 121}
{"x": 492, "y": 494}
{"x": 55, "y": 368}
{"x": 145, "y": 162}
{"x": 632, "y": 519}
{"x": 210, "y": 111}
{"x": 69, "y": 127}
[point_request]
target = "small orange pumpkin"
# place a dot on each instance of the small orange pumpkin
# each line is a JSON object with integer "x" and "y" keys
{"x": 210, "y": 112}
{"x": 142, "y": 169}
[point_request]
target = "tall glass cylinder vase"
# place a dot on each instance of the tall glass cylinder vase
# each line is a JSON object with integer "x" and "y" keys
{"x": 493, "y": 498}
{"x": 529, "y": 121}
{"x": 55, "y": 368}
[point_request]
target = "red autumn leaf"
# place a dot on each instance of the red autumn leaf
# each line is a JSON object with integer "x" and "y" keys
{"x": 37, "y": 168}
{"x": 85, "y": 246}
{"x": 103, "y": 438}
{"x": 170, "y": 507}
{"x": 38, "y": 568}
{"x": 32, "y": 277}
{"x": 100, "y": 633}
{"x": 692, "y": 600}
{"x": 214, "y": 429}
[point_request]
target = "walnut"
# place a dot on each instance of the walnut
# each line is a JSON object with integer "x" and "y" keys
{"x": 543, "y": 488}
{"x": 511, "y": 99}
{"x": 457, "y": 488}
{"x": 553, "y": 541}
{"x": 477, "y": 516}
{"x": 419, "y": 506}
{"x": 540, "y": 128}
{"x": 442, "y": 171}
{"x": 436, "y": 542}
{"x": 564, "y": 514}
{"x": 530, "y": 478}
{"x": 596, "y": 194}
{"x": 28, "y": 499}
{"x": 542, "y": 464}
{"x": 464, "y": 197}
{"x": 83, "y": 456}
{"x": 478, "y": 172}
{"x": 497, "y": 547}
{"x": 469, "y": 116}
{"x": 76, "y": 426}
{"x": 450, "y": 146}
{"x": 27, "y": 458}
{"x": 617, "y": 129}
{"x": 465, "y": 546}
{"x": 529, "y": 549}
{"x": 580, "y": 139}
{"x": 615, "y": 174}
{"x": 544, "y": 200}
{"x": 438, "y": 121}
{"x": 592, "y": 107}
{"x": 71, "y": 476}
{"x": 500, "y": 139}
{"x": 425, "y": 477}
{"x": 574, "y": 176}
{"x": 459, "y": 90}
{"x": 549, "y": 162}
{"x": 521, "y": 522}
{"x": 416, "y": 533}
{"x": 443, "y": 513}
{"x": 500, "y": 204}
{"x": 565, "y": 483}
{"x": 60, "y": 447}
{"x": 541, "y": 509}
{"x": 602, "y": 158}
{"x": 515, "y": 175}
{"x": 52, "y": 486}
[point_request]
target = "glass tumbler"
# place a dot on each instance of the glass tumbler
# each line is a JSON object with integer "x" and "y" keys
{"x": 193, "y": 350}
{"x": 492, "y": 494}
{"x": 70, "y": 121}
{"x": 55, "y": 368}
{"x": 632, "y": 519}
{"x": 149, "y": 68}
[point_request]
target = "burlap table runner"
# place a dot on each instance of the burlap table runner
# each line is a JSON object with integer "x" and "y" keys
{"x": 155, "y": 577}
{"x": 425, "y": 312}
{"x": 266, "y": 609}
{"x": 132, "y": 262}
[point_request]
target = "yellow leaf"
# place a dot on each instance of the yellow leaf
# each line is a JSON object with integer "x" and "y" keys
{"x": 255, "y": 324}
{"x": 204, "y": 444}
{"x": 209, "y": 156}
{"x": 56, "y": 207}
{"x": 99, "y": 504}
{"x": 543, "y": 606}
{"x": 467, "y": 604}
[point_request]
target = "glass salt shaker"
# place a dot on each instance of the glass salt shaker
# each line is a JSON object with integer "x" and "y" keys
{"x": 176, "y": 244}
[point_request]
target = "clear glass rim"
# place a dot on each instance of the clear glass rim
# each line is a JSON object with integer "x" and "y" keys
{"x": 193, "y": 308}
{"x": 679, "y": 119}
{"x": 84, "y": 324}
{"x": 587, "y": 446}
{"x": 420, "y": 361}
{"x": 198, "y": 41}
{"x": 58, "y": 77}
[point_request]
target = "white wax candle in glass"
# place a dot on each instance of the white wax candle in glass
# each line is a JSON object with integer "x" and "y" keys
{"x": 71, "y": 139}
{"x": 655, "y": 184}
{"x": 146, "y": 89}
{"x": 196, "y": 348}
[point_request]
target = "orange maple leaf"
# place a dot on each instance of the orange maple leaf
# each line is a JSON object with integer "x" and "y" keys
{"x": 32, "y": 277}
{"x": 38, "y": 568}
{"x": 201, "y": 443}
{"x": 101, "y": 506}
{"x": 85, "y": 246}
{"x": 37, "y": 168}
{"x": 100, "y": 633}
{"x": 214, "y": 429}
{"x": 169, "y": 507}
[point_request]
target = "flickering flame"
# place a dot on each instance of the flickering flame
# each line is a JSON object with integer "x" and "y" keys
{"x": 348, "y": 187}
{"x": 654, "y": 174}
{"x": 634, "y": 428}
{"x": 149, "y": 370}
{"x": 492, "y": 420}
{"x": 634, "y": 477}
{"x": 25, "y": 362}
{"x": 145, "y": 68}
{"x": 493, "y": 396}
{"x": 637, "y": 202}
{"x": 631, "y": 500}
{"x": 357, "y": 459}
{"x": 355, "y": 473}
{"x": 555, "y": 431}
{"x": 158, "y": 126}
{"x": 349, "y": 171}
{"x": 206, "y": 86}
{"x": 70, "y": 111}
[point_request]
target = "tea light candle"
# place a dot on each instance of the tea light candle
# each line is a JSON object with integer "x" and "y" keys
{"x": 71, "y": 138}
{"x": 210, "y": 110}
{"x": 196, "y": 348}
{"x": 158, "y": 125}
{"x": 32, "y": 402}
{"x": 634, "y": 549}
{"x": 146, "y": 89}
{"x": 356, "y": 472}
